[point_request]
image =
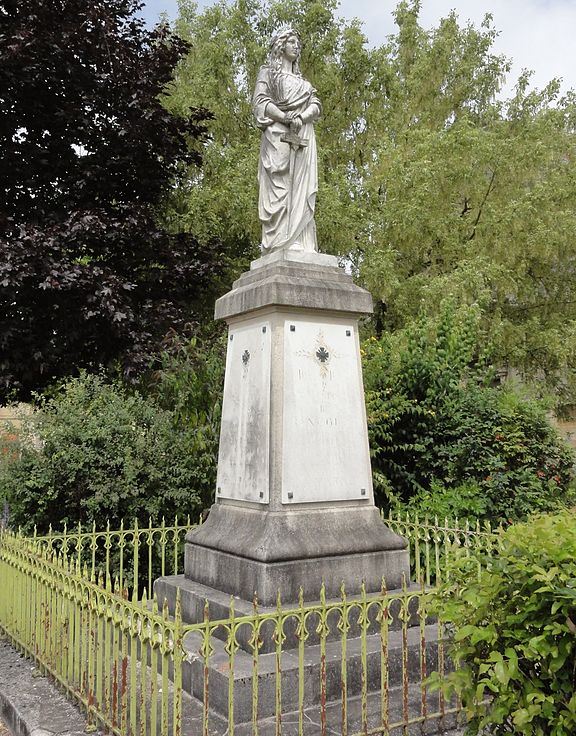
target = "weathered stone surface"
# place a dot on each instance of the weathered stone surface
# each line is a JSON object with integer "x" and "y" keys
{"x": 245, "y": 578}
{"x": 268, "y": 536}
{"x": 293, "y": 418}
{"x": 295, "y": 502}
{"x": 323, "y": 434}
{"x": 194, "y": 596}
{"x": 295, "y": 256}
{"x": 244, "y": 552}
{"x": 285, "y": 106}
{"x": 244, "y": 461}
{"x": 287, "y": 282}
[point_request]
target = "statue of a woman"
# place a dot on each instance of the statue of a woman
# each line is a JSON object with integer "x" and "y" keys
{"x": 285, "y": 106}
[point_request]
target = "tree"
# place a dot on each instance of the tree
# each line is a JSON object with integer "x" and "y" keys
{"x": 87, "y": 275}
{"x": 475, "y": 197}
{"x": 429, "y": 184}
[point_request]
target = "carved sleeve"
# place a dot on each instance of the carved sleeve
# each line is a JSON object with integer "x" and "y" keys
{"x": 261, "y": 98}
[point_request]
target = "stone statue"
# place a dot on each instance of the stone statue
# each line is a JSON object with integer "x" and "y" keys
{"x": 286, "y": 106}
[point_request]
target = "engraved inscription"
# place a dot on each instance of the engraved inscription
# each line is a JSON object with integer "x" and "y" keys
{"x": 323, "y": 421}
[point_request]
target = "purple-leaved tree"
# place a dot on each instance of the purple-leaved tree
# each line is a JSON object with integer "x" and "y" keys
{"x": 88, "y": 276}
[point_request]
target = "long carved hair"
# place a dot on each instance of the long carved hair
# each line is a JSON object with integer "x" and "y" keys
{"x": 274, "y": 63}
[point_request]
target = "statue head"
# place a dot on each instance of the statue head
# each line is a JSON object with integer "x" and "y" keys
{"x": 278, "y": 46}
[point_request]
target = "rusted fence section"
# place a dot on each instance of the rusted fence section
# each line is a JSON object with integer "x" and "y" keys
{"x": 355, "y": 666}
{"x": 87, "y": 636}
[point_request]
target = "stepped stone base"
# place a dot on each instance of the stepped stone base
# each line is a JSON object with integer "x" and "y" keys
{"x": 411, "y": 653}
{"x": 248, "y": 553}
{"x": 400, "y": 668}
{"x": 193, "y": 597}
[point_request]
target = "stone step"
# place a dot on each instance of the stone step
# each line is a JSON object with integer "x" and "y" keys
{"x": 193, "y": 597}
{"x": 441, "y": 718}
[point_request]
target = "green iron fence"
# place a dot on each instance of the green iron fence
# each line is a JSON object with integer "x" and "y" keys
{"x": 137, "y": 555}
{"x": 82, "y": 631}
{"x": 433, "y": 544}
{"x": 134, "y": 555}
{"x": 355, "y": 666}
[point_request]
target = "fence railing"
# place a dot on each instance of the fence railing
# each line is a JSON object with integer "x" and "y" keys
{"x": 134, "y": 556}
{"x": 357, "y": 665}
{"x": 86, "y": 635}
{"x": 433, "y": 544}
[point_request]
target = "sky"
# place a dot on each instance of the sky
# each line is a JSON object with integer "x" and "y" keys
{"x": 535, "y": 34}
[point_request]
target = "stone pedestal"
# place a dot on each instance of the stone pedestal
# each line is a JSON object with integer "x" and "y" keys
{"x": 294, "y": 501}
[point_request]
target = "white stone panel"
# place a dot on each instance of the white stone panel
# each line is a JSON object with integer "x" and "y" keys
{"x": 325, "y": 442}
{"x": 243, "y": 461}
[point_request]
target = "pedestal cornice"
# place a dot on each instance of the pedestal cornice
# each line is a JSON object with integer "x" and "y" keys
{"x": 290, "y": 535}
{"x": 285, "y": 283}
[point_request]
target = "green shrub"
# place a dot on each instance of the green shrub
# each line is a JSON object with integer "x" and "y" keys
{"x": 514, "y": 631}
{"x": 464, "y": 501}
{"x": 189, "y": 379}
{"x": 441, "y": 429}
{"x": 104, "y": 452}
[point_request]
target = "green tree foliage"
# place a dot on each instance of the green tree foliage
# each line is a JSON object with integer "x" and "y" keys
{"x": 95, "y": 451}
{"x": 445, "y": 438}
{"x": 515, "y": 631}
{"x": 87, "y": 277}
{"x": 189, "y": 382}
{"x": 428, "y": 184}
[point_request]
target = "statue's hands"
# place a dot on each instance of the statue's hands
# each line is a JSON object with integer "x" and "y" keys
{"x": 311, "y": 113}
{"x": 293, "y": 120}
{"x": 296, "y": 124}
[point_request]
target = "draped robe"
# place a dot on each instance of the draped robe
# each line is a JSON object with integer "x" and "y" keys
{"x": 288, "y": 180}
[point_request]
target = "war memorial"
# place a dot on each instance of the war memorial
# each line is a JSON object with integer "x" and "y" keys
{"x": 294, "y": 515}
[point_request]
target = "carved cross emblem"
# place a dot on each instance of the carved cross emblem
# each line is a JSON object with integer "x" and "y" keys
{"x": 322, "y": 354}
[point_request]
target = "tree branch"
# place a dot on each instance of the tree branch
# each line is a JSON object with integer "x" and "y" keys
{"x": 477, "y": 220}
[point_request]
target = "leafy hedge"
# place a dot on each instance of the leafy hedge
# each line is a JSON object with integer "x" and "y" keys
{"x": 96, "y": 451}
{"x": 515, "y": 631}
{"x": 446, "y": 438}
